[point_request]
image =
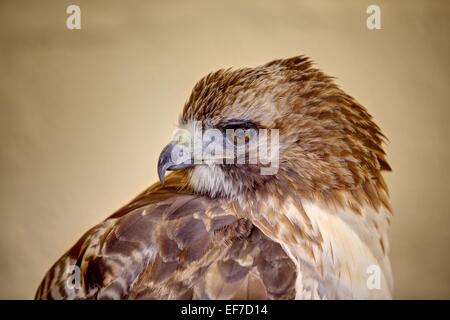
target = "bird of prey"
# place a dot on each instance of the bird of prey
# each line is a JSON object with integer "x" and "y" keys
{"x": 315, "y": 229}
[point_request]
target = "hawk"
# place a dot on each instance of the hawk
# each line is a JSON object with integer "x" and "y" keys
{"x": 315, "y": 229}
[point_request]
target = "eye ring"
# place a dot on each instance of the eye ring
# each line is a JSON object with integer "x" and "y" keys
{"x": 237, "y": 124}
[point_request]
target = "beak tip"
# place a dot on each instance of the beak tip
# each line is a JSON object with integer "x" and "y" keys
{"x": 161, "y": 176}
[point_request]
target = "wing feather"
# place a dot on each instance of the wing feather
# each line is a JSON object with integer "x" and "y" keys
{"x": 171, "y": 244}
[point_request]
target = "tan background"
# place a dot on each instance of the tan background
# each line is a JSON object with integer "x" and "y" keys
{"x": 84, "y": 114}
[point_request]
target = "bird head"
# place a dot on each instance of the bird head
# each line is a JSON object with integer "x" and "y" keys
{"x": 278, "y": 128}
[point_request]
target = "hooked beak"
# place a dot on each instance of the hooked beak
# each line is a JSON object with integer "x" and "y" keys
{"x": 173, "y": 157}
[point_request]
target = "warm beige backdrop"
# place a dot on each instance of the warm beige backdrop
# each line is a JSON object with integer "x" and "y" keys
{"x": 84, "y": 114}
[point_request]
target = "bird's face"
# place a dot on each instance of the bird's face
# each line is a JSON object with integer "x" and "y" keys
{"x": 224, "y": 158}
{"x": 280, "y": 127}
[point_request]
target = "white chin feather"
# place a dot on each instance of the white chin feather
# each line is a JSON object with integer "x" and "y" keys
{"x": 210, "y": 180}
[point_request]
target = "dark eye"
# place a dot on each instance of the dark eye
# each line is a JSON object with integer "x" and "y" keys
{"x": 240, "y": 137}
{"x": 239, "y": 132}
